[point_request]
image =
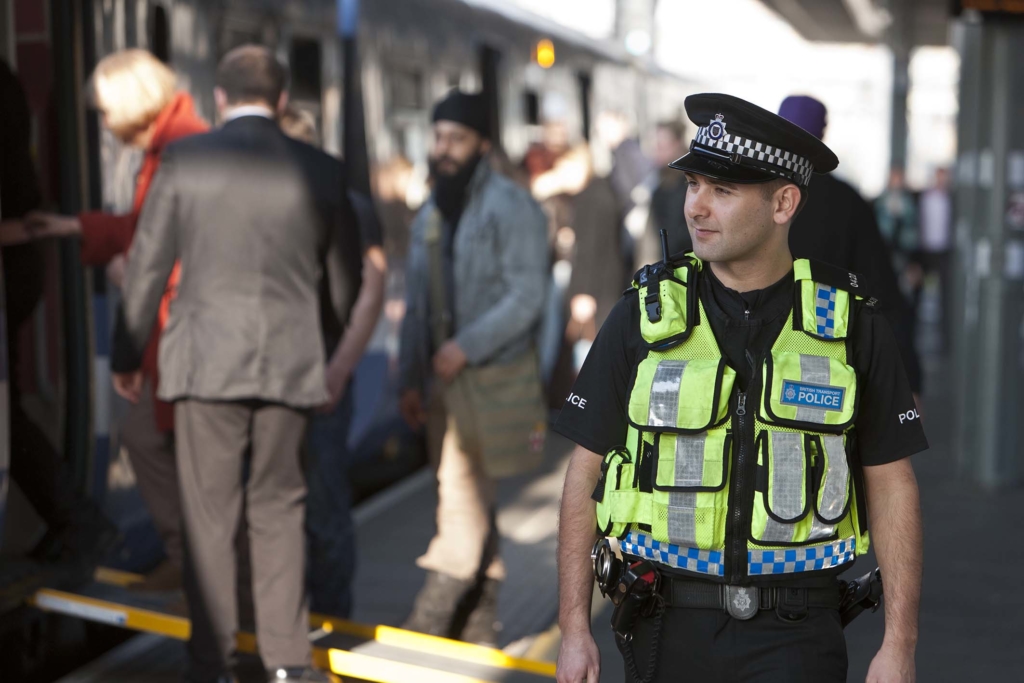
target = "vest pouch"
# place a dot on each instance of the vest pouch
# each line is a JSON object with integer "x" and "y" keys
{"x": 692, "y": 463}
{"x": 782, "y": 496}
{"x": 680, "y": 396}
{"x": 809, "y": 392}
{"x": 618, "y": 503}
{"x": 691, "y": 498}
{"x": 670, "y": 300}
{"x": 830, "y": 478}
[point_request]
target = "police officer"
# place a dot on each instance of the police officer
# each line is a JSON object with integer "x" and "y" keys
{"x": 741, "y": 420}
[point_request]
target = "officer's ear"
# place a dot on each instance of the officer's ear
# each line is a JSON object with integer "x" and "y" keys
{"x": 786, "y": 202}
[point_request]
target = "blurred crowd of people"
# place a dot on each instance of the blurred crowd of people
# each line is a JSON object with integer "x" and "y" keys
{"x": 253, "y": 282}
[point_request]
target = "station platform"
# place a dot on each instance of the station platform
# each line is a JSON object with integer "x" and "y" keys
{"x": 393, "y": 529}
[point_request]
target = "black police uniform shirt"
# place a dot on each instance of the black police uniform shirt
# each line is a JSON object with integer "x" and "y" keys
{"x": 746, "y": 325}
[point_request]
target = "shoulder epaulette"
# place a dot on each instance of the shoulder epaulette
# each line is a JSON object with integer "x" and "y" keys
{"x": 843, "y": 279}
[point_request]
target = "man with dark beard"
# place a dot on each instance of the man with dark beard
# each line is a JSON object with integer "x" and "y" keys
{"x": 476, "y": 282}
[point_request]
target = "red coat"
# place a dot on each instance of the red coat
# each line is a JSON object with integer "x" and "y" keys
{"x": 105, "y": 235}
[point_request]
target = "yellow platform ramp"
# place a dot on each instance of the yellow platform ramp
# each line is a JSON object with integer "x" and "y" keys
{"x": 382, "y": 654}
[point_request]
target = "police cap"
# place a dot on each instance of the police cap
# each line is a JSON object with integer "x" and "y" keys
{"x": 739, "y": 142}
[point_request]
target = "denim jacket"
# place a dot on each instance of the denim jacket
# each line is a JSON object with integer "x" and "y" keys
{"x": 501, "y": 264}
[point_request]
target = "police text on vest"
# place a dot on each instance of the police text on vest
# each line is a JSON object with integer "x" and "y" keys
{"x": 574, "y": 399}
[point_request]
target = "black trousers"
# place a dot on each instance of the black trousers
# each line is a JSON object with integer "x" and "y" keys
{"x": 709, "y": 646}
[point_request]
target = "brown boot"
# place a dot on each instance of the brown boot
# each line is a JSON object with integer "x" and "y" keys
{"x": 482, "y": 625}
{"x": 436, "y": 603}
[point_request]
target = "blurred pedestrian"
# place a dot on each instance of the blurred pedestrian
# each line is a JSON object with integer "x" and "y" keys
{"x": 937, "y": 242}
{"x": 258, "y": 221}
{"x": 476, "y": 278}
{"x": 630, "y": 166}
{"x": 668, "y": 198}
{"x": 139, "y": 101}
{"x": 896, "y": 212}
{"x": 77, "y": 531}
{"x": 837, "y": 226}
{"x": 329, "y": 527}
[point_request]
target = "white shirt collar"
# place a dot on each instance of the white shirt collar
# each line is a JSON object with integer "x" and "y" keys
{"x": 248, "y": 110}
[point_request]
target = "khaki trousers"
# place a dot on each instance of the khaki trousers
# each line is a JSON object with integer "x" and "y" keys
{"x": 215, "y": 440}
{"x": 151, "y": 453}
{"x": 467, "y": 537}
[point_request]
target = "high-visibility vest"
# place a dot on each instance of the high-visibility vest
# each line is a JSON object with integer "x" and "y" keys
{"x": 734, "y": 484}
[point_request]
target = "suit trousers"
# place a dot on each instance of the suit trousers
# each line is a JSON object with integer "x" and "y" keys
{"x": 215, "y": 441}
{"x": 466, "y": 542}
{"x": 709, "y": 645}
{"x": 156, "y": 471}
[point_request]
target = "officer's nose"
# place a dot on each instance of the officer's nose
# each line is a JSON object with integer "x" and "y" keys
{"x": 697, "y": 205}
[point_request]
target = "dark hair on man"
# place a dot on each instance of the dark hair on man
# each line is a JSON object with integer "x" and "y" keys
{"x": 251, "y": 73}
{"x": 674, "y": 127}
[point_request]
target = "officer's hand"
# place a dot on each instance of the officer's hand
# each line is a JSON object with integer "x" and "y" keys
{"x": 449, "y": 361}
{"x": 892, "y": 665}
{"x": 579, "y": 659}
{"x": 410, "y": 405}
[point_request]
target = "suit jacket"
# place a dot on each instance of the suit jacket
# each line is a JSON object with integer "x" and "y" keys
{"x": 257, "y": 220}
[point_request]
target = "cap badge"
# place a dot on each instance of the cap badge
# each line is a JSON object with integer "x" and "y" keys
{"x": 716, "y": 129}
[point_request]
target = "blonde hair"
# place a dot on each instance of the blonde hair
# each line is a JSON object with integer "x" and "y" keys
{"x": 299, "y": 124}
{"x": 132, "y": 87}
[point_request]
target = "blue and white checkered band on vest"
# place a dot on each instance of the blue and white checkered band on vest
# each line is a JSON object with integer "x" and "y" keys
{"x": 715, "y": 136}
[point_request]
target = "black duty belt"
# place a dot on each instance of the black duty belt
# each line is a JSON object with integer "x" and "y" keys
{"x": 743, "y": 602}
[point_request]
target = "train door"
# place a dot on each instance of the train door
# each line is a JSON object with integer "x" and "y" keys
{"x": 6, "y": 47}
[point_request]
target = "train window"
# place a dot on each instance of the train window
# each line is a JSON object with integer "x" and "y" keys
{"x": 305, "y": 68}
{"x": 160, "y": 34}
{"x": 531, "y": 108}
{"x": 406, "y": 89}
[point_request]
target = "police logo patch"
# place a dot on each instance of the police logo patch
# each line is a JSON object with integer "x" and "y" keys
{"x": 807, "y": 395}
{"x": 716, "y": 129}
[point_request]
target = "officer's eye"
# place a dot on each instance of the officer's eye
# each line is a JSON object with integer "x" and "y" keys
{"x": 692, "y": 184}
{"x": 722, "y": 191}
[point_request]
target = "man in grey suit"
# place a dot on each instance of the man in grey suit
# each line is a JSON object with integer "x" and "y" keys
{"x": 261, "y": 226}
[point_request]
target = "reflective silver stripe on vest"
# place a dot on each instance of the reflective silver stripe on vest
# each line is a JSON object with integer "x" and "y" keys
{"x": 787, "y": 487}
{"x": 816, "y": 370}
{"x": 664, "y": 405}
{"x": 837, "y": 478}
{"x": 682, "y": 507}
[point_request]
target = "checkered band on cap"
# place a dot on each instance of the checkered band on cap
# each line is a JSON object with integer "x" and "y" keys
{"x": 758, "y": 151}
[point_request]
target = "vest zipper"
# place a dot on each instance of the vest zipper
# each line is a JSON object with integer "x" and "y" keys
{"x": 736, "y": 540}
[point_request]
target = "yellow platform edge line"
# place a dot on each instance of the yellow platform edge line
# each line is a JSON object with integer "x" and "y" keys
{"x": 341, "y": 662}
{"x": 155, "y": 622}
{"x": 136, "y": 618}
{"x": 445, "y": 647}
{"x": 116, "y": 577}
{"x": 377, "y": 670}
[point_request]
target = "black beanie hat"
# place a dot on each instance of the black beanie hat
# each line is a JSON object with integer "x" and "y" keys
{"x": 460, "y": 107}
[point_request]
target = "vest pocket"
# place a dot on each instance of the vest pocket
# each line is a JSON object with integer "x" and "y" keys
{"x": 690, "y": 497}
{"x": 803, "y": 487}
{"x": 680, "y": 396}
{"x": 676, "y": 305}
{"x": 697, "y": 463}
{"x": 831, "y": 478}
{"x": 618, "y": 503}
{"x": 811, "y": 392}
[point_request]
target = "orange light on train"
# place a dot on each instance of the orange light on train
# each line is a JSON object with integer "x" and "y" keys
{"x": 545, "y": 53}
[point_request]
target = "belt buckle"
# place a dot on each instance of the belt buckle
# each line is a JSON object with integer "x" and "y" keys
{"x": 741, "y": 602}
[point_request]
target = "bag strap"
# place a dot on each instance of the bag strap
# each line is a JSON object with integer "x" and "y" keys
{"x": 440, "y": 315}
